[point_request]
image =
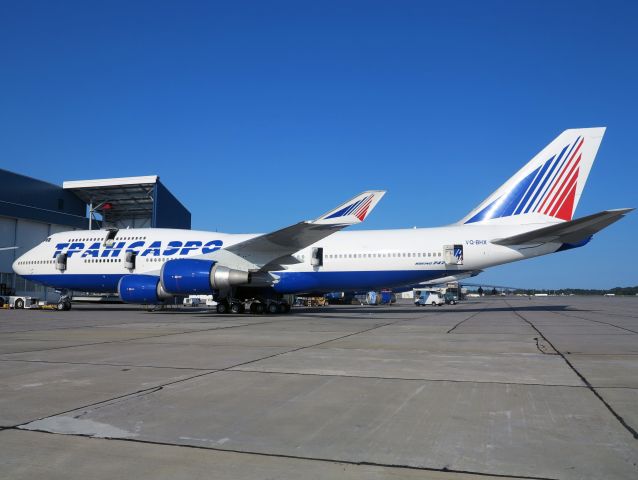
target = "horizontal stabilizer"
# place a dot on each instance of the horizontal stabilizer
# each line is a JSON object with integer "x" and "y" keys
{"x": 572, "y": 232}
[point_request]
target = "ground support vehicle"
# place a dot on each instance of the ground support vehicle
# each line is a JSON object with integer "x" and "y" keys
{"x": 429, "y": 297}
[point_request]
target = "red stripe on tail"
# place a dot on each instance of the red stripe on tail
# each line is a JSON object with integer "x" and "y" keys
{"x": 565, "y": 212}
{"x": 558, "y": 180}
{"x": 552, "y": 206}
{"x": 361, "y": 211}
{"x": 562, "y": 200}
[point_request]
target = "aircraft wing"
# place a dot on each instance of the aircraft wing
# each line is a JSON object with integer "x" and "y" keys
{"x": 573, "y": 231}
{"x": 450, "y": 278}
{"x": 275, "y": 248}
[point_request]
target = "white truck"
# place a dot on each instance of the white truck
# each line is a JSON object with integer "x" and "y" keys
{"x": 199, "y": 301}
{"x": 428, "y": 297}
{"x": 192, "y": 302}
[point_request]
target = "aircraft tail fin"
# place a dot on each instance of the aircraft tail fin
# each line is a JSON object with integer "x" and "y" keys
{"x": 547, "y": 189}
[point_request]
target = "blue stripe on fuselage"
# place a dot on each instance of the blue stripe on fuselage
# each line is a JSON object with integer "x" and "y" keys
{"x": 289, "y": 282}
{"x": 82, "y": 282}
{"x": 293, "y": 282}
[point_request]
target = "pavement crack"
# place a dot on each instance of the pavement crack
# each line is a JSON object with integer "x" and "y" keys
{"x": 544, "y": 348}
{"x": 462, "y": 322}
{"x": 108, "y": 403}
{"x": 618, "y": 417}
{"x": 123, "y": 397}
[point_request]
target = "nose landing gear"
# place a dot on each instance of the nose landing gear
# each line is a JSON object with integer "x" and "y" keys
{"x": 64, "y": 303}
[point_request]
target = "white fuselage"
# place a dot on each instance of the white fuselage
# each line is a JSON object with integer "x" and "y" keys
{"x": 352, "y": 260}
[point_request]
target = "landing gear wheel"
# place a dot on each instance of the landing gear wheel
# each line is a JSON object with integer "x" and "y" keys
{"x": 236, "y": 308}
{"x": 60, "y": 307}
{"x": 19, "y": 303}
{"x": 273, "y": 308}
{"x": 67, "y": 305}
{"x": 222, "y": 307}
{"x": 286, "y": 307}
{"x": 257, "y": 308}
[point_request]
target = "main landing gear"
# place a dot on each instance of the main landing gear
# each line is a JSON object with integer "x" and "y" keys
{"x": 257, "y": 308}
{"x": 254, "y": 306}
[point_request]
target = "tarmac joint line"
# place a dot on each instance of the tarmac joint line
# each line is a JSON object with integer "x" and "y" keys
{"x": 445, "y": 469}
{"x": 156, "y": 388}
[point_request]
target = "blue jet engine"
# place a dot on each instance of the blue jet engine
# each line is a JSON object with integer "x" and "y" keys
{"x": 190, "y": 276}
{"x": 145, "y": 289}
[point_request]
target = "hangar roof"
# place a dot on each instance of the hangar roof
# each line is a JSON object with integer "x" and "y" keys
{"x": 129, "y": 197}
{"x": 110, "y": 182}
{"x": 131, "y": 201}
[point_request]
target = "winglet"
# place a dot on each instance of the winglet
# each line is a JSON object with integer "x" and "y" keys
{"x": 353, "y": 211}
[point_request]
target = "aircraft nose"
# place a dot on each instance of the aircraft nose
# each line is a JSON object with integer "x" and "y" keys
{"x": 17, "y": 266}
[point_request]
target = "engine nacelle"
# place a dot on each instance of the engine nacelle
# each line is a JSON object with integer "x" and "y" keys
{"x": 145, "y": 289}
{"x": 224, "y": 277}
{"x": 190, "y": 276}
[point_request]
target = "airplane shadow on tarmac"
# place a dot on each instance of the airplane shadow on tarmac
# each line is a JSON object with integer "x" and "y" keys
{"x": 442, "y": 309}
{"x": 346, "y": 309}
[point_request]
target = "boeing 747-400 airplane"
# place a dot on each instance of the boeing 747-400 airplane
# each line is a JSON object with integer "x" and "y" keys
{"x": 529, "y": 215}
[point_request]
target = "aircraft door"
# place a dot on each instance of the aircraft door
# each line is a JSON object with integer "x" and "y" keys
{"x": 60, "y": 262}
{"x": 110, "y": 237}
{"x": 129, "y": 261}
{"x": 453, "y": 254}
{"x": 316, "y": 259}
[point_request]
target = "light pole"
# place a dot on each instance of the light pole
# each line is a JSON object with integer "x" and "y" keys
{"x": 93, "y": 209}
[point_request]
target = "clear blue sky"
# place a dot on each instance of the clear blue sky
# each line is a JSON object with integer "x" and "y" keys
{"x": 259, "y": 114}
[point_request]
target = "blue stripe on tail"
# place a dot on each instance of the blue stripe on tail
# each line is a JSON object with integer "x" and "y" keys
{"x": 504, "y": 206}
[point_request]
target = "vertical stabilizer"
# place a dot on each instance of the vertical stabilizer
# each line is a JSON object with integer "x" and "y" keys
{"x": 549, "y": 187}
